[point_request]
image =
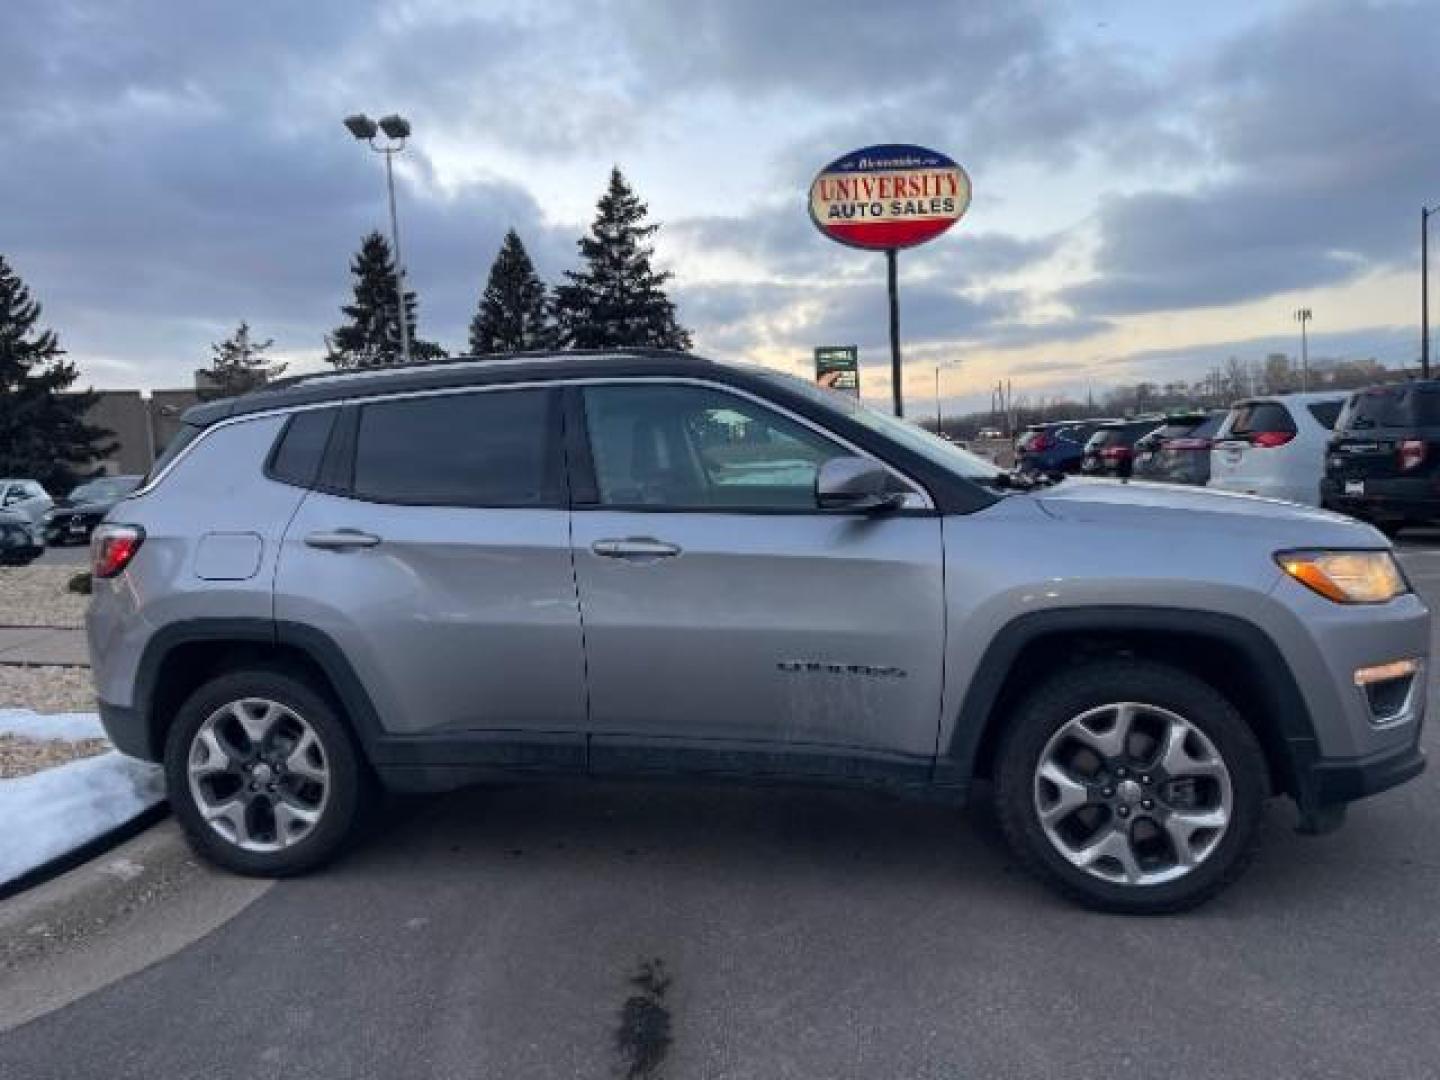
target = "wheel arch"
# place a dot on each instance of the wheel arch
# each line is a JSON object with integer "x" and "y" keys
{"x": 183, "y": 656}
{"x": 1232, "y": 654}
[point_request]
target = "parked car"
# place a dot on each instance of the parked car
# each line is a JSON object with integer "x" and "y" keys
{"x": 19, "y": 540}
{"x": 647, "y": 564}
{"x": 1183, "y": 452}
{"x": 73, "y": 518}
{"x": 27, "y": 499}
{"x": 1383, "y": 462}
{"x": 1146, "y": 454}
{"x": 1275, "y": 446}
{"x": 1056, "y": 447}
{"x": 1110, "y": 449}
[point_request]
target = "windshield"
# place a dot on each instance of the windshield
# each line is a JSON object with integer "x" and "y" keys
{"x": 105, "y": 489}
{"x": 916, "y": 439}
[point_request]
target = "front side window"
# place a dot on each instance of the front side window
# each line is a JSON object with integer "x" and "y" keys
{"x": 493, "y": 449}
{"x": 688, "y": 447}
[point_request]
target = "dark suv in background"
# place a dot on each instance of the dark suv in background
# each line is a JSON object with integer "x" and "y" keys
{"x": 1110, "y": 449}
{"x": 1055, "y": 447}
{"x": 1150, "y": 461}
{"x": 1383, "y": 463}
{"x": 1183, "y": 457}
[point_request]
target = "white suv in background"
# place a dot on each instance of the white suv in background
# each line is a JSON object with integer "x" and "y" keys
{"x": 1275, "y": 446}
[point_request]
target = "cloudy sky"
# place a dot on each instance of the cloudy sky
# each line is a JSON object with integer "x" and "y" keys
{"x": 1157, "y": 185}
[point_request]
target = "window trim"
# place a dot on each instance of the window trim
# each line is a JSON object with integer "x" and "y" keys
{"x": 918, "y": 502}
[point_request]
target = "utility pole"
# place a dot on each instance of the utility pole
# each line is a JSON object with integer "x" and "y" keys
{"x": 1303, "y": 316}
{"x": 895, "y": 370}
{"x": 1425, "y": 214}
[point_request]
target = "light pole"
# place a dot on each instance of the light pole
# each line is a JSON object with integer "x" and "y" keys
{"x": 1303, "y": 316}
{"x": 397, "y": 130}
{"x": 1426, "y": 212}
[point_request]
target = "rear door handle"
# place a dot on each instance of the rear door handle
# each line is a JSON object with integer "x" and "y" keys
{"x": 341, "y": 539}
{"x": 638, "y": 548}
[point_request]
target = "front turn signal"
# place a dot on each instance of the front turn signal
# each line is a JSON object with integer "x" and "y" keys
{"x": 1346, "y": 577}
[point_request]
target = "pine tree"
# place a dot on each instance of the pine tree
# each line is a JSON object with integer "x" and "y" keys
{"x": 43, "y": 433}
{"x": 371, "y": 336}
{"x": 617, "y": 298}
{"x": 514, "y": 311}
{"x": 238, "y": 365}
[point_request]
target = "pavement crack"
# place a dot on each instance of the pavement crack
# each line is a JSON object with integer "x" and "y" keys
{"x": 643, "y": 1037}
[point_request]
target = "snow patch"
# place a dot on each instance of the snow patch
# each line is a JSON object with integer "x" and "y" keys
{"x": 50, "y": 727}
{"x": 57, "y": 810}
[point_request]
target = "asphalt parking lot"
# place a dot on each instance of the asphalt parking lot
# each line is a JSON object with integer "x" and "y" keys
{"x": 594, "y": 931}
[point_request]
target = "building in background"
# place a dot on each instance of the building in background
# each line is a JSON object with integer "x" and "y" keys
{"x": 142, "y": 424}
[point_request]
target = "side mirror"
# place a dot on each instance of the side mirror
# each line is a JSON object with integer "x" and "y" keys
{"x": 856, "y": 484}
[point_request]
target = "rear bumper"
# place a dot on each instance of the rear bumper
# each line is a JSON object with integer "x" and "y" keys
{"x": 127, "y": 729}
{"x": 1385, "y": 499}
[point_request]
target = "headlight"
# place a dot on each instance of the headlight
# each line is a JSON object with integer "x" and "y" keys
{"x": 1347, "y": 577}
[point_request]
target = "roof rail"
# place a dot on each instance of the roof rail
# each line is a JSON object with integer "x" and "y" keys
{"x": 479, "y": 358}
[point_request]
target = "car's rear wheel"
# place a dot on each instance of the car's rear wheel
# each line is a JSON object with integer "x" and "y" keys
{"x": 264, "y": 776}
{"x": 1131, "y": 786}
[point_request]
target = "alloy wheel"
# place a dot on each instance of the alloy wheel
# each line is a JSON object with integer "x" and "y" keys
{"x": 1133, "y": 794}
{"x": 258, "y": 774}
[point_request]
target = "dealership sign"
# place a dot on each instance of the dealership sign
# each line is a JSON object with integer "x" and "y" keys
{"x": 837, "y": 367}
{"x": 888, "y": 197}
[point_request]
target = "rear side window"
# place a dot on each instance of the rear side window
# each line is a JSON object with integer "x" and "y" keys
{"x": 1326, "y": 412}
{"x": 1260, "y": 416}
{"x": 494, "y": 449}
{"x": 297, "y": 454}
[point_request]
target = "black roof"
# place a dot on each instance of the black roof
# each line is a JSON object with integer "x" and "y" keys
{"x": 344, "y": 383}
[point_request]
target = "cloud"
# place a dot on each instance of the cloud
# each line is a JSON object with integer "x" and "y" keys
{"x": 1318, "y": 120}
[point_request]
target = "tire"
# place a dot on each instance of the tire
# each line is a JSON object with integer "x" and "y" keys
{"x": 308, "y": 822}
{"x": 1217, "y": 761}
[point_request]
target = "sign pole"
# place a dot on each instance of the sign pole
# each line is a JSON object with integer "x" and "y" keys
{"x": 895, "y": 377}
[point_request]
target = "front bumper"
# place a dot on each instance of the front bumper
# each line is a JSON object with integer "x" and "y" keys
{"x": 1329, "y": 782}
{"x": 1396, "y": 498}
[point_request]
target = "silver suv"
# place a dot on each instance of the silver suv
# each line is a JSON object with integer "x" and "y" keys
{"x": 647, "y": 564}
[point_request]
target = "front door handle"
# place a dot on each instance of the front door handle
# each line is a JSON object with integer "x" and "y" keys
{"x": 341, "y": 539}
{"x": 638, "y": 548}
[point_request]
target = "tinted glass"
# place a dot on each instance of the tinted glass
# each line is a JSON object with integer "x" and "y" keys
{"x": 1395, "y": 406}
{"x": 187, "y": 434}
{"x": 481, "y": 449}
{"x": 1326, "y": 412}
{"x": 302, "y": 444}
{"x": 689, "y": 447}
{"x": 1261, "y": 416}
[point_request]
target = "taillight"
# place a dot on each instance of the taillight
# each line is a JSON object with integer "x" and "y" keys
{"x": 1115, "y": 453}
{"x": 1412, "y": 453}
{"x": 112, "y": 547}
{"x": 1270, "y": 439}
{"x": 1040, "y": 442}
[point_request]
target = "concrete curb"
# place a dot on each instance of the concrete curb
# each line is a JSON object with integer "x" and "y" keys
{"x": 91, "y": 849}
{"x": 110, "y": 917}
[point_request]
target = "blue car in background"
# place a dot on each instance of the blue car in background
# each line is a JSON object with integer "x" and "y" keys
{"x": 1056, "y": 447}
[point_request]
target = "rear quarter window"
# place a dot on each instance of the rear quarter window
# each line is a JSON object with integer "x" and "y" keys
{"x": 1326, "y": 413}
{"x": 301, "y": 446}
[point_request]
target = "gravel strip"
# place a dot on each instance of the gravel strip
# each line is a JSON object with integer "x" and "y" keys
{"x": 47, "y": 689}
{"x": 21, "y": 757}
{"x": 37, "y": 596}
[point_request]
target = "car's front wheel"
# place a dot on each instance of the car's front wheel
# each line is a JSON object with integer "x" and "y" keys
{"x": 1131, "y": 786}
{"x": 264, "y": 776}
